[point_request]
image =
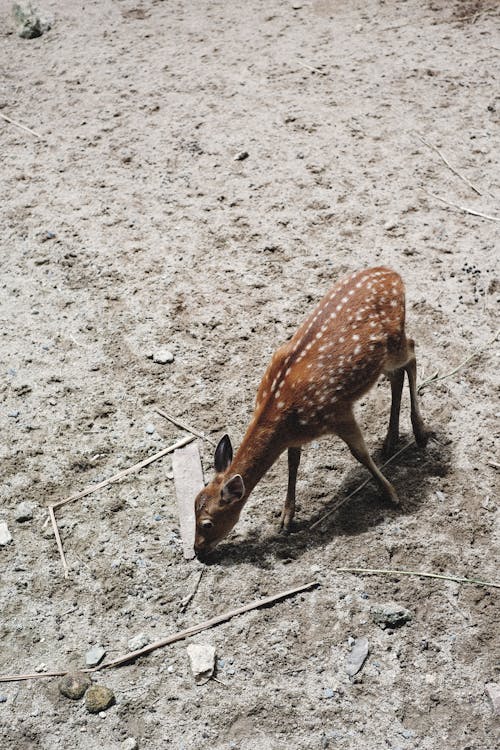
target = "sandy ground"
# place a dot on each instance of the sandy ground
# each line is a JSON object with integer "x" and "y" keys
{"x": 130, "y": 227}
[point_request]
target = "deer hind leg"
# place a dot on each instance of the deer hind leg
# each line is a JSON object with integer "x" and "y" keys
{"x": 422, "y": 434}
{"x": 289, "y": 507}
{"x": 350, "y": 433}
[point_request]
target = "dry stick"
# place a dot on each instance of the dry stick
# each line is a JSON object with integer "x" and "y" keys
{"x": 179, "y": 636}
{"x": 494, "y": 464}
{"x": 124, "y": 472}
{"x": 464, "y": 208}
{"x": 441, "y": 156}
{"x": 189, "y": 597}
{"x": 457, "y": 579}
{"x": 19, "y": 125}
{"x": 183, "y": 425}
{"x": 310, "y": 67}
{"x": 434, "y": 378}
{"x": 354, "y": 492}
{"x": 58, "y": 539}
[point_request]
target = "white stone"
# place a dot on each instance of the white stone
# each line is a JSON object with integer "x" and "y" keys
{"x": 94, "y": 656}
{"x": 202, "y": 658}
{"x": 356, "y": 658}
{"x": 129, "y": 744}
{"x": 163, "y": 357}
{"x": 5, "y": 535}
{"x": 24, "y": 512}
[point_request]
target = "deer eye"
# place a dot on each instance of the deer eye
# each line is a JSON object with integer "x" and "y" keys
{"x": 206, "y": 524}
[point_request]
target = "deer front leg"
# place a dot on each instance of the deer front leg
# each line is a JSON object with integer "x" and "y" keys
{"x": 396, "y": 378}
{"x": 289, "y": 507}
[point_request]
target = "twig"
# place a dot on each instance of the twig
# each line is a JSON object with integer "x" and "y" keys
{"x": 189, "y": 597}
{"x": 464, "y": 208}
{"x": 183, "y": 425}
{"x": 354, "y": 492}
{"x": 455, "y": 171}
{"x": 19, "y": 125}
{"x": 179, "y": 636}
{"x": 124, "y": 472}
{"x": 434, "y": 378}
{"x": 494, "y": 464}
{"x": 310, "y": 67}
{"x": 58, "y": 539}
{"x": 457, "y": 579}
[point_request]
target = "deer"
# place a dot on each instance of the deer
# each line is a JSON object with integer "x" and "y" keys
{"x": 355, "y": 334}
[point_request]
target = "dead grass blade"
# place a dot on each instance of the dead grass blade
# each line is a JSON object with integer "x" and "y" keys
{"x": 382, "y": 571}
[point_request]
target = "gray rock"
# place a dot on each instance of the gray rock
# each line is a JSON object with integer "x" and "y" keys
{"x": 31, "y": 24}
{"x": 3, "y": 699}
{"x": 94, "y": 656}
{"x": 241, "y": 156}
{"x": 163, "y": 357}
{"x": 129, "y": 744}
{"x": 356, "y": 658}
{"x": 14, "y": 413}
{"x": 98, "y": 698}
{"x": 5, "y": 535}
{"x": 493, "y": 693}
{"x": 150, "y": 429}
{"x": 390, "y": 615}
{"x": 138, "y": 641}
{"x": 202, "y": 658}
{"x": 24, "y": 512}
{"x": 74, "y": 685}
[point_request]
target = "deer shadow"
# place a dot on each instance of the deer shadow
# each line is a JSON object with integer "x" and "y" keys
{"x": 412, "y": 473}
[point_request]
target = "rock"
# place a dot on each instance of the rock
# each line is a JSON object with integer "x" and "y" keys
{"x": 241, "y": 156}
{"x": 74, "y": 685}
{"x": 31, "y": 24}
{"x": 5, "y": 535}
{"x": 328, "y": 693}
{"x": 98, "y": 698}
{"x": 163, "y": 357}
{"x": 356, "y": 658}
{"x": 390, "y": 615}
{"x": 150, "y": 429}
{"x": 138, "y": 641}
{"x": 493, "y": 692}
{"x": 94, "y": 656}
{"x": 129, "y": 744}
{"x": 3, "y": 699}
{"x": 14, "y": 414}
{"x": 202, "y": 658}
{"x": 24, "y": 512}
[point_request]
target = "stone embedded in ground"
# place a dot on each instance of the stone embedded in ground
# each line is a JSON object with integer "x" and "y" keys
{"x": 5, "y": 535}
{"x": 390, "y": 615}
{"x": 138, "y": 641}
{"x": 163, "y": 357}
{"x": 493, "y": 693}
{"x": 129, "y": 744}
{"x": 31, "y": 24}
{"x": 202, "y": 658}
{"x": 356, "y": 658}
{"x": 94, "y": 656}
{"x": 74, "y": 685}
{"x": 24, "y": 512}
{"x": 98, "y": 698}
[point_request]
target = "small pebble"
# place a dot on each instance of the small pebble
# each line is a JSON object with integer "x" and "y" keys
{"x": 138, "y": 641}
{"x": 357, "y": 657}
{"x": 3, "y": 699}
{"x": 241, "y": 156}
{"x": 74, "y": 685}
{"x": 390, "y": 615}
{"x": 129, "y": 744}
{"x": 98, "y": 698}
{"x": 5, "y": 535}
{"x": 150, "y": 429}
{"x": 14, "y": 414}
{"x": 24, "y": 512}
{"x": 163, "y": 357}
{"x": 202, "y": 658}
{"x": 328, "y": 693}
{"x": 157, "y": 517}
{"x": 493, "y": 693}
{"x": 94, "y": 656}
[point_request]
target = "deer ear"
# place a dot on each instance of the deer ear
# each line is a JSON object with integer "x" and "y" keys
{"x": 223, "y": 454}
{"x": 234, "y": 489}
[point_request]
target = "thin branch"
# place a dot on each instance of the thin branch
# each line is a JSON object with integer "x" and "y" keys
{"x": 434, "y": 378}
{"x": 20, "y": 125}
{"x": 187, "y": 599}
{"x": 179, "y": 636}
{"x": 354, "y": 492}
{"x": 456, "y": 579}
{"x": 464, "y": 208}
{"x": 183, "y": 425}
{"x": 494, "y": 464}
{"x": 445, "y": 160}
{"x": 311, "y": 68}
{"x": 58, "y": 539}
{"x": 124, "y": 472}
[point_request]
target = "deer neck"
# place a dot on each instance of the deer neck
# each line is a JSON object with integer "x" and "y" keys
{"x": 256, "y": 454}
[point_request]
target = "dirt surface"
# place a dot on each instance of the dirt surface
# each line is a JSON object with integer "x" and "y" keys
{"x": 130, "y": 227}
